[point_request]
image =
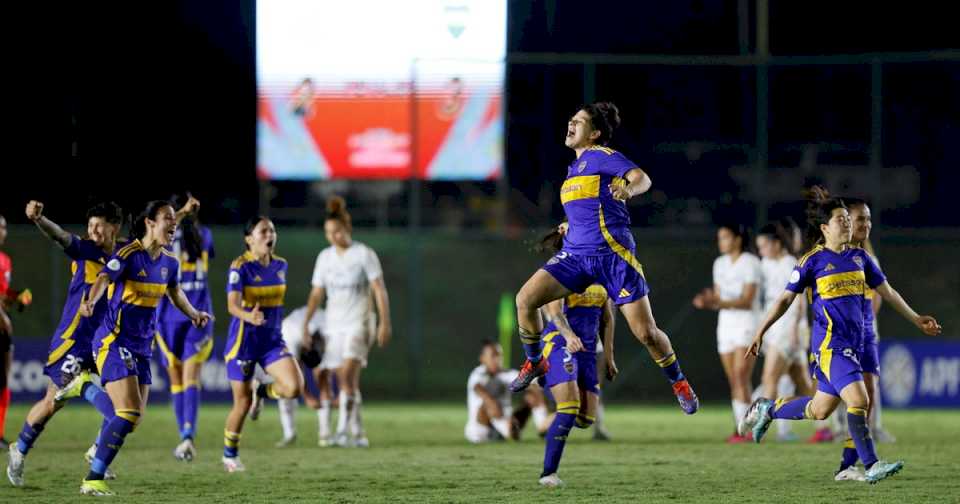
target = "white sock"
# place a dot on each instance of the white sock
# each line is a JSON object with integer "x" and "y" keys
{"x": 346, "y": 409}
{"x": 785, "y": 387}
{"x": 323, "y": 418}
{"x": 356, "y": 422}
{"x": 288, "y": 408}
{"x": 598, "y": 421}
{"x": 739, "y": 410}
{"x": 783, "y": 428}
{"x": 502, "y": 425}
{"x": 540, "y": 415}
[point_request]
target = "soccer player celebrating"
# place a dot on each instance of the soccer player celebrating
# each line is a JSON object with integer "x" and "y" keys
{"x": 598, "y": 248}
{"x": 735, "y": 294}
{"x": 490, "y": 413}
{"x": 140, "y": 273}
{"x": 292, "y": 330}
{"x": 184, "y": 348}
{"x": 256, "y": 286}
{"x": 69, "y": 360}
{"x": 346, "y": 273}
{"x": 838, "y": 276}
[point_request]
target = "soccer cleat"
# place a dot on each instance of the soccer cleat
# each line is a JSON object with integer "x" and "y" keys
{"x": 257, "y": 405}
{"x": 757, "y": 420}
{"x": 232, "y": 464}
{"x": 528, "y": 373}
{"x": 97, "y": 488}
{"x": 185, "y": 451}
{"x": 882, "y": 470}
{"x": 15, "y": 462}
{"x": 342, "y": 440}
{"x": 736, "y": 438}
{"x": 852, "y": 473}
{"x": 91, "y": 453}
{"x": 551, "y": 481}
{"x": 361, "y": 442}
{"x": 73, "y": 388}
{"x": 824, "y": 435}
{"x": 286, "y": 441}
{"x": 325, "y": 441}
{"x": 687, "y": 398}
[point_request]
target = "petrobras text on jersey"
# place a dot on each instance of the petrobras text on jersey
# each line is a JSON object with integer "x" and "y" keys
{"x": 915, "y": 374}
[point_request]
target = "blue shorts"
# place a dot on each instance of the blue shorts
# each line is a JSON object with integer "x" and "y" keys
{"x": 243, "y": 356}
{"x": 563, "y": 366}
{"x": 180, "y": 341}
{"x": 870, "y": 358}
{"x": 621, "y": 277}
{"x": 64, "y": 363}
{"x": 116, "y": 362}
{"x": 837, "y": 368}
{"x": 587, "y": 372}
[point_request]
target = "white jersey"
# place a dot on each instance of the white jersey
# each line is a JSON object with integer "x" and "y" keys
{"x": 346, "y": 279}
{"x": 731, "y": 278}
{"x": 776, "y": 276}
{"x": 292, "y": 326}
{"x": 496, "y": 385}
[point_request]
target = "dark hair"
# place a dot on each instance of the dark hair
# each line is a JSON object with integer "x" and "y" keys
{"x": 739, "y": 231}
{"x": 854, "y": 202}
{"x": 191, "y": 241}
{"x": 250, "y": 225}
{"x": 605, "y": 118}
{"x": 108, "y": 211}
{"x": 820, "y": 207}
{"x": 550, "y": 243}
{"x": 487, "y": 342}
{"x": 776, "y": 232}
{"x": 139, "y": 227}
{"x": 337, "y": 210}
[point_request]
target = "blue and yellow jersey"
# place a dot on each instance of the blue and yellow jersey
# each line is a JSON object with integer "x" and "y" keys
{"x": 869, "y": 324}
{"x": 838, "y": 284}
{"x": 261, "y": 284}
{"x": 87, "y": 261}
{"x": 138, "y": 283}
{"x": 193, "y": 277}
{"x": 584, "y": 312}
{"x": 599, "y": 224}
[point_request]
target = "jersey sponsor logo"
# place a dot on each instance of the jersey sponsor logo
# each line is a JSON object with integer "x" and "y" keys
{"x": 837, "y": 285}
{"x": 113, "y": 265}
{"x": 234, "y": 277}
{"x": 795, "y": 276}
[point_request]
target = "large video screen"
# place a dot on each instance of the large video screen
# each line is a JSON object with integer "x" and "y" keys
{"x": 374, "y": 89}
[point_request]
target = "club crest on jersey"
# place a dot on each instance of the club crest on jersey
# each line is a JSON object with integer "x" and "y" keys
{"x": 163, "y": 273}
{"x": 858, "y": 260}
{"x": 581, "y": 166}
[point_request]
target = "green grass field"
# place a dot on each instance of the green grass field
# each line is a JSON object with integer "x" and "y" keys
{"x": 418, "y": 455}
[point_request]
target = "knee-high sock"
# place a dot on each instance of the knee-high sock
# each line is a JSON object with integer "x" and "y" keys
{"x": 792, "y": 409}
{"x": 598, "y": 421}
{"x": 740, "y": 409}
{"x": 556, "y": 440}
{"x": 288, "y": 408}
{"x": 28, "y": 436}
{"x": 191, "y": 407}
{"x": 4, "y": 404}
{"x": 99, "y": 399}
{"x": 857, "y": 424}
{"x": 356, "y": 421}
{"x": 111, "y": 441}
{"x": 346, "y": 409}
{"x": 670, "y": 366}
{"x": 176, "y": 397}
{"x": 323, "y": 419}
{"x": 103, "y": 429}
{"x": 849, "y": 456}
{"x": 231, "y": 444}
{"x": 532, "y": 346}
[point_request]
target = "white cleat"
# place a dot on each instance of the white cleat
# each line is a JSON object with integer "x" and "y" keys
{"x": 15, "y": 462}
{"x": 361, "y": 442}
{"x": 287, "y": 441}
{"x": 185, "y": 451}
{"x": 551, "y": 481}
{"x": 342, "y": 440}
{"x": 325, "y": 441}
{"x": 91, "y": 453}
{"x": 852, "y": 473}
{"x": 257, "y": 405}
{"x": 232, "y": 464}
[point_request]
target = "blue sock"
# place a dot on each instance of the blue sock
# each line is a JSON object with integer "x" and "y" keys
{"x": 99, "y": 399}
{"x": 103, "y": 428}
{"x": 531, "y": 345}
{"x": 671, "y": 368}
{"x": 791, "y": 409}
{"x": 191, "y": 405}
{"x": 849, "y": 457}
{"x": 857, "y": 424}
{"x": 231, "y": 444}
{"x": 28, "y": 435}
{"x": 111, "y": 440}
{"x": 556, "y": 439}
{"x": 176, "y": 397}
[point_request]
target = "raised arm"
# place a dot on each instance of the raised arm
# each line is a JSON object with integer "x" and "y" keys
{"x": 382, "y": 300}
{"x": 191, "y": 206}
{"x": 47, "y": 227}
{"x": 776, "y": 311}
{"x": 607, "y": 323}
{"x": 925, "y": 323}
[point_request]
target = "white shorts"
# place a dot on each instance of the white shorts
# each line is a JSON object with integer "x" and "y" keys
{"x": 348, "y": 344}
{"x": 477, "y": 433}
{"x": 777, "y": 340}
{"x": 731, "y": 338}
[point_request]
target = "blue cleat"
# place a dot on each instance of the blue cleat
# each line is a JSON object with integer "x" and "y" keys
{"x": 687, "y": 398}
{"x": 757, "y": 420}
{"x": 528, "y": 373}
{"x": 882, "y": 470}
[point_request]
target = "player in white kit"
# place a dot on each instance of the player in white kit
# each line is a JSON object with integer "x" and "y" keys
{"x": 785, "y": 350}
{"x": 292, "y": 329}
{"x": 490, "y": 413}
{"x": 735, "y": 294}
{"x": 345, "y": 275}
